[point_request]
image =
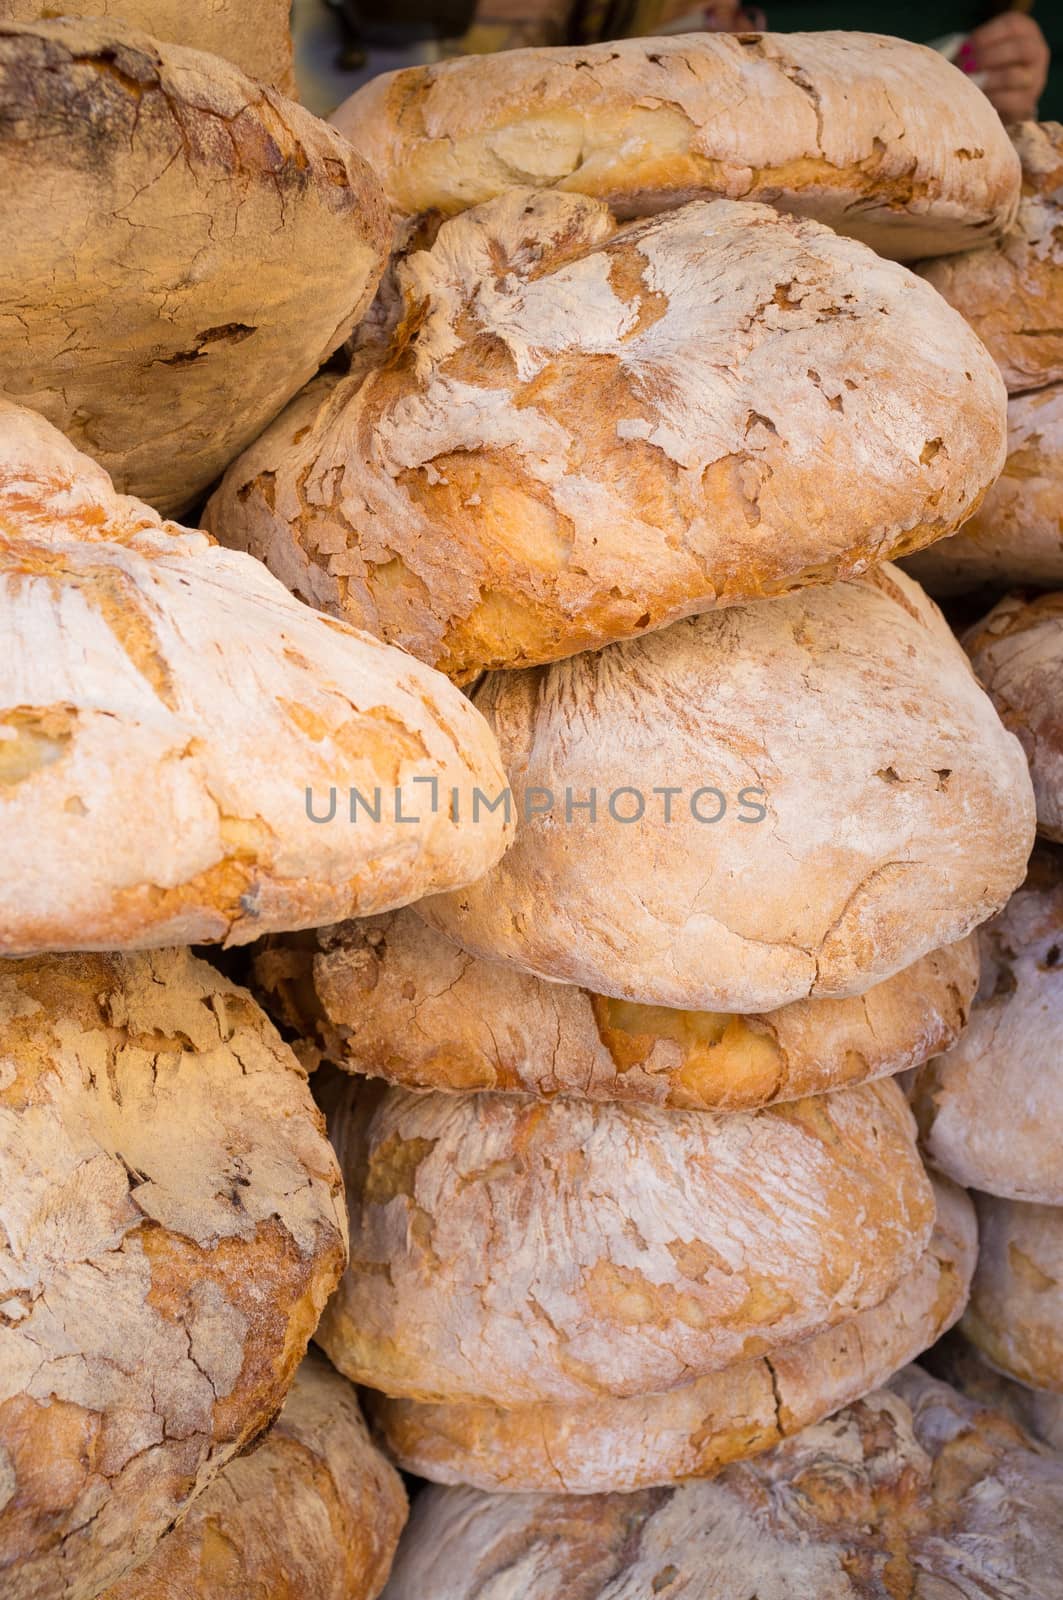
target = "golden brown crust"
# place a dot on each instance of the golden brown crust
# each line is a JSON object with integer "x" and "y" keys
{"x": 693, "y": 1431}
{"x": 1015, "y": 1315}
{"x": 580, "y": 433}
{"x": 877, "y": 137}
{"x": 515, "y": 1250}
{"x": 1011, "y": 292}
{"x": 161, "y": 352}
{"x": 1017, "y": 652}
{"x": 392, "y": 998}
{"x": 173, "y": 1225}
{"x": 314, "y": 1512}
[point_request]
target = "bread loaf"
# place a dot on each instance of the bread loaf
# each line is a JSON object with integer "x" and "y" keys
{"x": 172, "y": 1225}
{"x": 959, "y": 1363}
{"x": 1017, "y": 651}
{"x": 913, "y": 1491}
{"x": 509, "y": 1250}
{"x": 875, "y": 136}
{"x": 895, "y": 811}
{"x": 1015, "y": 1316}
{"x": 314, "y": 1513}
{"x": 990, "y": 1111}
{"x": 1016, "y": 536}
{"x": 581, "y": 433}
{"x": 173, "y": 725}
{"x": 184, "y": 247}
{"x": 392, "y": 998}
{"x": 1011, "y": 292}
{"x": 595, "y": 1446}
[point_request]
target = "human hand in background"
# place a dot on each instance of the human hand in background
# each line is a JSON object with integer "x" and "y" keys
{"x": 1010, "y": 55}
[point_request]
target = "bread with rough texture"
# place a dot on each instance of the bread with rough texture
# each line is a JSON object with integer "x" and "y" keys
{"x": 507, "y": 1249}
{"x": 880, "y": 138}
{"x": 392, "y": 998}
{"x": 594, "y": 1446}
{"x": 957, "y": 1362}
{"x": 895, "y": 811}
{"x": 913, "y": 1491}
{"x": 1015, "y": 1315}
{"x": 1016, "y": 535}
{"x": 581, "y": 432}
{"x": 990, "y": 1111}
{"x": 183, "y": 248}
{"x": 1017, "y": 652}
{"x": 173, "y": 726}
{"x": 172, "y": 1225}
{"x": 313, "y": 1513}
{"x": 1011, "y": 292}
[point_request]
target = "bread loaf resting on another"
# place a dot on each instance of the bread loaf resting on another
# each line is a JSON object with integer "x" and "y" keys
{"x": 173, "y": 1223}
{"x": 1015, "y": 1315}
{"x": 173, "y": 726}
{"x": 580, "y": 433}
{"x": 880, "y": 138}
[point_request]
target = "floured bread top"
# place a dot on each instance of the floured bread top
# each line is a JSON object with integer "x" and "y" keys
{"x": 173, "y": 726}
{"x": 876, "y": 136}
{"x": 580, "y": 433}
{"x": 911, "y": 1491}
{"x": 843, "y": 799}
{"x": 1015, "y": 1315}
{"x": 511, "y": 1250}
{"x": 172, "y": 1223}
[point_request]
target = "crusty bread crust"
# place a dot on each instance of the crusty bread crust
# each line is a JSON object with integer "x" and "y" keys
{"x": 1015, "y": 1314}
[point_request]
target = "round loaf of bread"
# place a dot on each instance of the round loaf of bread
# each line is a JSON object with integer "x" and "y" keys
{"x": 180, "y": 739}
{"x": 595, "y": 1446}
{"x": 1016, "y": 536}
{"x": 880, "y": 138}
{"x": 184, "y": 248}
{"x": 255, "y": 34}
{"x": 826, "y": 795}
{"x": 581, "y": 433}
{"x": 1011, "y": 291}
{"x": 1017, "y": 651}
{"x": 1015, "y": 1316}
{"x": 512, "y": 1250}
{"x": 313, "y": 1513}
{"x": 172, "y": 1225}
{"x": 990, "y": 1112}
{"x": 392, "y": 998}
{"x": 913, "y": 1490}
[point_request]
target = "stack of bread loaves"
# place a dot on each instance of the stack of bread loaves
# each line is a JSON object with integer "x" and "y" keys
{"x": 609, "y": 963}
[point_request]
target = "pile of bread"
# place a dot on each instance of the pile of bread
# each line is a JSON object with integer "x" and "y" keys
{"x": 637, "y": 874}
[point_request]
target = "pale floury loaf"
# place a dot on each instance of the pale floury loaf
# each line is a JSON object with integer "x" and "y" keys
{"x": 597, "y": 1446}
{"x": 897, "y": 811}
{"x": 580, "y": 433}
{"x": 1015, "y": 1315}
{"x": 913, "y": 1491}
{"x": 878, "y": 137}
{"x": 991, "y": 1110}
{"x": 956, "y": 1361}
{"x": 173, "y": 1222}
{"x": 512, "y": 1250}
{"x": 165, "y": 707}
{"x": 183, "y": 248}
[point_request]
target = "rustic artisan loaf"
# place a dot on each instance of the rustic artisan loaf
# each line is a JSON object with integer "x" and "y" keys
{"x": 582, "y": 432}
{"x": 314, "y": 1513}
{"x": 513, "y": 1250}
{"x": 172, "y": 1224}
{"x": 959, "y": 1363}
{"x": 1017, "y": 651}
{"x": 1015, "y": 1316}
{"x": 253, "y": 33}
{"x": 1016, "y": 536}
{"x": 878, "y": 137}
{"x": 913, "y": 1491}
{"x": 183, "y": 248}
{"x": 171, "y": 720}
{"x": 990, "y": 1112}
{"x": 1012, "y": 291}
{"x": 593, "y": 1446}
{"x": 392, "y": 998}
{"x": 896, "y": 812}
